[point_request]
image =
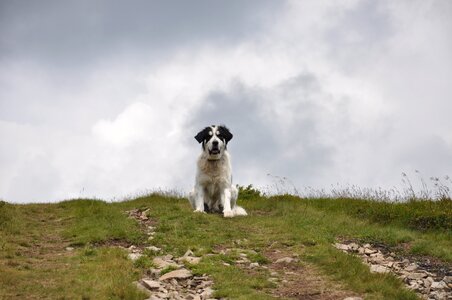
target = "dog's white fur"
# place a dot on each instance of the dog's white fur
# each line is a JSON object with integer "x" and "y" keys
{"x": 213, "y": 189}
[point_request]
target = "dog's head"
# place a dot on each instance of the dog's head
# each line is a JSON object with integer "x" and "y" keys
{"x": 214, "y": 140}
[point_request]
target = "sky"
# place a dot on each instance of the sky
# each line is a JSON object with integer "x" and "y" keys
{"x": 103, "y": 98}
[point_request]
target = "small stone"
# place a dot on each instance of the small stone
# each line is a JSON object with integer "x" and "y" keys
{"x": 353, "y": 246}
{"x": 378, "y": 269}
{"x": 150, "y": 284}
{"x": 426, "y": 283}
{"x": 286, "y": 260}
{"x": 438, "y": 285}
{"x": 254, "y": 265}
{"x": 177, "y": 274}
{"x": 161, "y": 263}
{"x": 69, "y": 248}
{"x": 154, "y": 272}
{"x": 134, "y": 256}
{"x": 206, "y": 293}
{"x": 189, "y": 253}
{"x": 353, "y": 298}
{"x": 411, "y": 267}
{"x": 342, "y": 247}
{"x": 416, "y": 276}
{"x": 226, "y": 264}
{"x": 153, "y": 248}
{"x": 367, "y": 246}
{"x": 369, "y": 251}
{"x": 447, "y": 279}
{"x": 191, "y": 260}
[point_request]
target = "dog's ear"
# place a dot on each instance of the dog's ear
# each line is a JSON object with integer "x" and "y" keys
{"x": 203, "y": 134}
{"x": 225, "y": 133}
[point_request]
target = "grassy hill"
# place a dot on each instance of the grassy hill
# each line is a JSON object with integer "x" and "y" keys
{"x": 69, "y": 250}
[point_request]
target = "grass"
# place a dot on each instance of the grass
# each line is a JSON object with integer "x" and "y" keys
{"x": 34, "y": 262}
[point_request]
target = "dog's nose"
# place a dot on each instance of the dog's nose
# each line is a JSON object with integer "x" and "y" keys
{"x": 215, "y": 143}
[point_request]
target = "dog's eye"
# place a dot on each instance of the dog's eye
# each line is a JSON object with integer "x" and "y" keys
{"x": 210, "y": 132}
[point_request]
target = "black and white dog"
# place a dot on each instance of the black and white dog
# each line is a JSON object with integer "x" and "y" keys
{"x": 213, "y": 191}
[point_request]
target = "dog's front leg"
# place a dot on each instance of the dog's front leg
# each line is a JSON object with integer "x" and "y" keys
{"x": 226, "y": 201}
{"x": 199, "y": 199}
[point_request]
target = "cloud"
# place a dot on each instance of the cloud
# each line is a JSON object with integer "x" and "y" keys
{"x": 107, "y": 103}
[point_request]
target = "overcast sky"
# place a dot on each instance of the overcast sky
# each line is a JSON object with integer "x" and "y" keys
{"x": 103, "y": 98}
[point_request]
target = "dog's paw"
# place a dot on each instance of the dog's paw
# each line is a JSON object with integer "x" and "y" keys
{"x": 199, "y": 211}
{"x": 228, "y": 214}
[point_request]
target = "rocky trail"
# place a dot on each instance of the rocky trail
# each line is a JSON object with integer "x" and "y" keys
{"x": 430, "y": 280}
{"x": 170, "y": 278}
{"x": 177, "y": 284}
{"x": 292, "y": 280}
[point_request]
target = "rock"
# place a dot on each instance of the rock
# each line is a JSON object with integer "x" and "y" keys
{"x": 69, "y": 248}
{"x": 153, "y": 249}
{"x": 353, "y": 298}
{"x": 150, "y": 284}
{"x": 447, "y": 279}
{"x": 191, "y": 260}
{"x": 286, "y": 260}
{"x": 342, "y": 247}
{"x": 177, "y": 274}
{"x": 416, "y": 276}
{"x": 254, "y": 265}
{"x": 426, "y": 283}
{"x": 189, "y": 253}
{"x": 242, "y": 261}
{"x": 134, "y": 256}
{"x": 369, "y": 251}
{"x": 353, "y": 247}
{"x": 377, "y": 258}
{"x": 162, "y": 263}
{"x": 437, "y": 285}
{"x": 411, "y": 267}
{"x": 378, "y": 269}
{"x": 206, "y": 293}
{"x": 154, "y": 272}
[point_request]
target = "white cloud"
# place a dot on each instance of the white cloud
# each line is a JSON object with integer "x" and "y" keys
{"x": 323, "y": 92}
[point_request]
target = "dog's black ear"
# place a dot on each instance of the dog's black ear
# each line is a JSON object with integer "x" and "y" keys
{"x": 225, "y": 133}
{"x": 202, "y": 135}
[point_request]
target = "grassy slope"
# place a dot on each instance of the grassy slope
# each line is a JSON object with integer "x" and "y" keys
{"x": 34, "y": 263}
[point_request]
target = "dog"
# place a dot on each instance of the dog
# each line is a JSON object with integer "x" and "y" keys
{"x": 213, "y": 191}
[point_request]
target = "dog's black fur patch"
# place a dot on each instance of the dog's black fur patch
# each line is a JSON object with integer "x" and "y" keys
{"x": 225, "y": 134}
{"x": 203, "y": 135}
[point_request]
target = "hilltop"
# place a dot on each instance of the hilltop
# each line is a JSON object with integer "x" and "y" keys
{"x": 285, "y": 248}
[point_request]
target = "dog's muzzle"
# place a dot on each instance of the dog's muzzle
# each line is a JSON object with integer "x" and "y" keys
{"x": 214, "y": 151}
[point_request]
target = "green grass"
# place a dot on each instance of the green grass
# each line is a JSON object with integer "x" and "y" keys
{"x": 34, "y": 263}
